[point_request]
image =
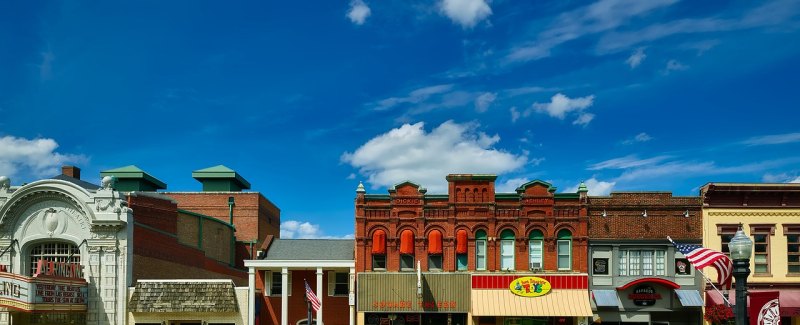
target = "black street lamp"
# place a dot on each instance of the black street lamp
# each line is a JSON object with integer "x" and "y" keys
{"x": 741, "y": 248}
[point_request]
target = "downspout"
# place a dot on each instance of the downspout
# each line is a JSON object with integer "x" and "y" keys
{"x": 231, "y": 203}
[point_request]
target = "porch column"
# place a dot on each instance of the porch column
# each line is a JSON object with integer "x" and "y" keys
{"x": 320, "y": 294}
{"x": 351, "y": 292}
{"x": 251, "y": 296}
{"x": 284, "y": 296}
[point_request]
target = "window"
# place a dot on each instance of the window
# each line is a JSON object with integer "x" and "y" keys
{"x": 564, "y": 245}
{"x": 406, "y": 250}
{"x": 642, "y": 262}
{"x": 58, "y": 252}
{"x": 379, "y": 250}
{"x": 792, "y": 233}
{"x": 507, "y": 250}
{"x": 725, "y": 233}
{"x": 761, "y": 258}
{"x": 272, "y": 283}
{"x": 338, "y": 283}
{"x": 461, "y": 250}
{"x": 480, "y": 250}
{"x": 535, "y": 250}
{"x": 435, "y": 250}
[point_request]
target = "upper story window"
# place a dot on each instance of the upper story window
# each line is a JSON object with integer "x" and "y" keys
{"x": 407, "y": 250}
{"x": 461, "y": 250}
{"x": 379, "y": 250}
{"x": 57, "y": 252}
{"x": 480, "y": 250}
{"x": 792, "y": 233}
{"x": 535, "y": 250}
{"x": 564, "y": 247}
{"x": 647, "y": 262}
{"x": 726, "y": 233}
{"x": 507, "y": 250}
{"x": 761, "y": 249}
{"x": 435, "y": 250}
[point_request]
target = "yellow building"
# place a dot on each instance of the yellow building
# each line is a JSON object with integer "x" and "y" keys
{"x": 770, "y": 215}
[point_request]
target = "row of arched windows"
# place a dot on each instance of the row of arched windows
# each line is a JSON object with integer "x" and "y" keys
{"x": 506, "y": 254}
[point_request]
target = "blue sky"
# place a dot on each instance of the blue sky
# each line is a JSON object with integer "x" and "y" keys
{"x": 305, "y": 99}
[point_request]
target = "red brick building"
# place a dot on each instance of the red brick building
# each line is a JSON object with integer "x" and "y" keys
{"x": 470, "y": 231}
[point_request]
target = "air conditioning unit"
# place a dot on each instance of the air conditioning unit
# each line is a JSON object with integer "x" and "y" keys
{"x": 536, "y": 266}
{"x": 536, "y": 269}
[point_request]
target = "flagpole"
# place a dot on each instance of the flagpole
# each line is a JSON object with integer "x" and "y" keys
{"x": 727, "y": 303}
{"x": 308, "y": 305}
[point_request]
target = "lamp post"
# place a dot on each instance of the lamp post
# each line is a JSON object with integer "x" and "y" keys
{"x": 741, "y": 248}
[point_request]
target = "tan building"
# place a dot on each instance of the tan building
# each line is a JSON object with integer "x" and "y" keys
{"x": 770, "y": 215}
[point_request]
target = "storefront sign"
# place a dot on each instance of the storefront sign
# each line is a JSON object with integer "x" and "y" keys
{"x": 682, "y": 267}
{"x": 600, "y": 266}
{"x": 408, "y": 305}
{"x": 26, "y": 293}
{"x": 406, "y": 293}
{"x": 644, "y": 295}
{"x": 529, "y": 286}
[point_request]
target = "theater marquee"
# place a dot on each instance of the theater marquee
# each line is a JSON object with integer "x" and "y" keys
{"x": 42, "y": 293}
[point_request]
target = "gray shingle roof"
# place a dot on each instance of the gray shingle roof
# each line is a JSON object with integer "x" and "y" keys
{"x": 81, "y": 183}
{"x": 183, "y": 296}
{"x": 311, "y": 249}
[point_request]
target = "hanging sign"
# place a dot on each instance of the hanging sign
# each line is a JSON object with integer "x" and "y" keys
{"x": 529, "y": 286}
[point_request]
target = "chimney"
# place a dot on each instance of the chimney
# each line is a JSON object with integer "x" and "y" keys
{"x": 71, "y": 171}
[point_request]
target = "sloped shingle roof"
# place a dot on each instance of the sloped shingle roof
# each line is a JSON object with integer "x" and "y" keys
{"x": 311, "y": 249}
{"x": 183, "y": 296}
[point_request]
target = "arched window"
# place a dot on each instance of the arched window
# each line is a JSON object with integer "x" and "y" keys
{"x": 507, "y": 250}
{"x": 461, "y": 250}
{"x": 535, "y": 250}
{"x": 379, "y": 250}
{"x": 435, "y": 250}
{"x": 564, "y": 244}
{"x": 57, "y": 252}
{"x": 480, "y": 250}
{"x": 407, "y": 250}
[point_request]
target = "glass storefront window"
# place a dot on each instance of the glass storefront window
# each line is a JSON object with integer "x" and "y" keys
{"x": 58, "y": 252}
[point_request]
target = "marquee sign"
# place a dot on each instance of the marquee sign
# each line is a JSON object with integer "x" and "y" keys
{"x": 530, "y": 286}
{"x": 42, "y": 292}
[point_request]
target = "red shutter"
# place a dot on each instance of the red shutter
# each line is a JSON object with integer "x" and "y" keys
{"x": 379, "y": 242}
{"x": 407, "y": 242}
{"x": 461, "y": 242}
{"x": 435, "y": 242}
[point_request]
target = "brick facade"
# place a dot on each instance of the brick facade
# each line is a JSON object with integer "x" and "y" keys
{"x": 471, "y": 204}
{"x": 666, "y": 216}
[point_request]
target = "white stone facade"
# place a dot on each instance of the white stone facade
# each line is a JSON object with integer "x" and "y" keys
{"x": 95, "y": 221}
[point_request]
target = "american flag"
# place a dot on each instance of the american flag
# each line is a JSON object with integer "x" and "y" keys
{"x": 701, "y": 257}
{"x": 312, "y": 297}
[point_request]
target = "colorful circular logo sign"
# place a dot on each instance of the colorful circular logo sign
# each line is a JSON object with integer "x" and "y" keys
{"x": 529, "y": 286}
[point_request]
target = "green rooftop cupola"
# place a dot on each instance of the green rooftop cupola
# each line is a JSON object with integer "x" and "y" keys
{"x": 132, "y": 178}
{"x": 582, "y": 188}
{"x": 360, "y": 188}
{"x": 220, "y": 179}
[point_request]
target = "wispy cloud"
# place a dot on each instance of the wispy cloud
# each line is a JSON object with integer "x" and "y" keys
{"x": 596, "y": 187}
{"x": 560, "y": 106}
{"x": 674, "y": 65}
{"x": 46, "y": 66}
{"x": 466, "y": 13}
{"x": 773, "y": 139}
{"x": 781, "y": 178}
{"x": 626, "y": 162}
{"x": 697, "y": 168}
{"x": 33, "y": 157}
{"x": 411, "y": 153}
{"x": 414, "y": 97}
{"x": 601, "y": 16}
{"x": 636, "y": 58}
{"x": 359, "y": 11}
{"x": 641, "y": 137}
{"x": 483, "y": 102}
{"x": 293, "y": 229}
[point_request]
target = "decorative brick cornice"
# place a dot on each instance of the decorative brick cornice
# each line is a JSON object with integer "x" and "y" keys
{"x": 754, "y": 214}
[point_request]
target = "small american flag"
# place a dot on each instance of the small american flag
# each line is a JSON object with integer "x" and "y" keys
{"x": 701, "y": 257}
{"x": 312, "y": 297}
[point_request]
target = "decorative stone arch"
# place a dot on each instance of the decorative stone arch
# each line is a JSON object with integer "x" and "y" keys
{"x": 51, "y": 190}
{"x": 562, "y": 226}
{"x": 479, "y": 226}
{"x": 533, "y": 227}
{"x": 503, "y": 227}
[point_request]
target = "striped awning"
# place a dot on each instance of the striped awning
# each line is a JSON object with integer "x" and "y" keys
{"x": 556, "y": 303}
{"x": 689, "y": 298}
{"x": 605, "y": 298}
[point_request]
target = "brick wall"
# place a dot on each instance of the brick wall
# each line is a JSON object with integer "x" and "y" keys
{"x": 335, "y": 311}
{"x": 665, "y": 216}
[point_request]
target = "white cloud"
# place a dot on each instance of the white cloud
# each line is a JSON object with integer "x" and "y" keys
{"x": 410, "y": 153}
{"x": 636, "y": 58}
{"x": 674, "y": 65}
{"x": 515, "y": 114}
{"x": 561, "y": 105}
{"x": 466, "y": 13}
{"x": 641, "y": 137}
{"x": 34, "y": 158}
{"x": 595, "y": 18}
{"x": 351, "y": 176}
{"x": 583, "y": 119}
{"x": 414, "y": 97}
{"x": 595, "y": 187}
{"x": 483, "y": 102}
{"x": 292, "y": 229}
{"x": 773, "y": 139}
{"x": 359, "y": 11}
{"x": 626, "y": 162}
{"x": 510, "y": 185}
{"x": 796, "y": 180}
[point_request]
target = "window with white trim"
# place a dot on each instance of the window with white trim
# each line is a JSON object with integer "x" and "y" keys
{"x": 480, "y": 250}
{"x": 535, "y": 249}
{"x": 507, "y": 250}
{"x": 273, "y": 281}
{"x": 564, "y": 249}
{"x": 646, "y": 262}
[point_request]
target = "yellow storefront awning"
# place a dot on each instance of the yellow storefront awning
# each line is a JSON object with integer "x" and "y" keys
{"x": 505, "y": 303}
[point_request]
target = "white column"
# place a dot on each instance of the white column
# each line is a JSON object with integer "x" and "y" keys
{"x": 320, "y": 294}
{"x": 284, "y": 296}
{"x": 251, "y": 296}
{"x": 351, "y": 292}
